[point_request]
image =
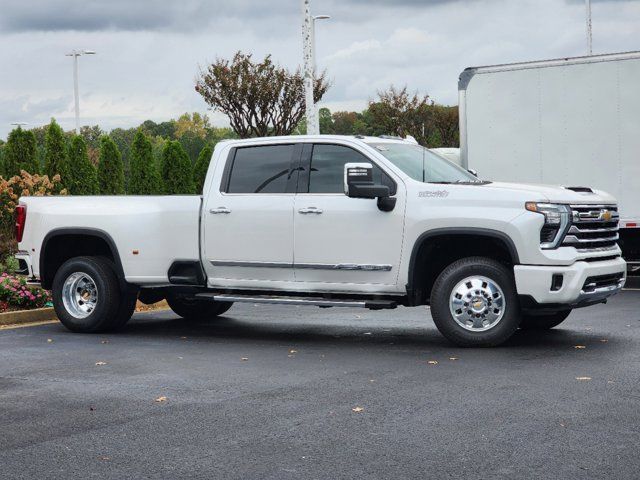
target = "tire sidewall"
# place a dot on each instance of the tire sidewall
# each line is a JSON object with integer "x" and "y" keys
{"x": 443, "y": 288}
{"x": 106, "y": 283}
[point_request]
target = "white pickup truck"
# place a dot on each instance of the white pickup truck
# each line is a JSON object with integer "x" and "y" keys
{"x": 330, "y": 221}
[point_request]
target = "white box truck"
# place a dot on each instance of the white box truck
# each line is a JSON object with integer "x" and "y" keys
{"x": 572, "y": 122}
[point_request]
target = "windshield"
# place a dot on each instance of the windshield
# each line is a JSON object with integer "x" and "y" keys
{"x": 423, "y": 165}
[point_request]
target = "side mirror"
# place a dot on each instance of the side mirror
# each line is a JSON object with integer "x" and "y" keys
{"x": 472, "y": 172}
{"x": 358, "y": 183}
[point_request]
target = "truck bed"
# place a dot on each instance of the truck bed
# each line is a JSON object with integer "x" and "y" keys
{"x": 150, "y": 232}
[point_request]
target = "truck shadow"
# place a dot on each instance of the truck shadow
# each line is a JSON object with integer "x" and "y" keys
{"x": 357, "y": 333}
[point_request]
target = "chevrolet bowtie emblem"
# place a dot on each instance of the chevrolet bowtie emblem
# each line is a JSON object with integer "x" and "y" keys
{"x": 605, "y": 215}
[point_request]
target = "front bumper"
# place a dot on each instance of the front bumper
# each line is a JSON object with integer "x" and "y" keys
{"x": 606, "y": 278}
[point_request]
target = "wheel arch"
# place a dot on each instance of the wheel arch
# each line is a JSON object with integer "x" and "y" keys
{"x": 449, "y": 245}
{"x": 61, "y": 244}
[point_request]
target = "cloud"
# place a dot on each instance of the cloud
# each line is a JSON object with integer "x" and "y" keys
{"x": 148, "y": 51}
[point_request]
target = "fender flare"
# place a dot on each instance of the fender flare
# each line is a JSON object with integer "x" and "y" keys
{"x": 483, "y": 232}
{"x": 89, "y": 232}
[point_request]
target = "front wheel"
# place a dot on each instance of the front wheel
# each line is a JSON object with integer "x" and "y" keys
{"x": 474, "y": 303}
{"x": 191, "y": 308}
{"x": 543, "y": 321}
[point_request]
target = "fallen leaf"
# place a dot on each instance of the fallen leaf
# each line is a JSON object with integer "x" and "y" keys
{"x": 161, "y": 399}
{"x": 583, "y": 378}
{"x": 453, "y": 358}
{"x": 92, "y": 409}
{"x": 432, "y": 362}
{"x": 244, "y": 359}
{"x": 580, "y": 347}
{"x": 99, "y": 364}
{"x": 357, "y": 409}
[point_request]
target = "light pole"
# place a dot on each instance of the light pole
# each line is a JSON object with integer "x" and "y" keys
{"x": 309, "y": 54}
{"x": 589, "y": 36}
{"x": 75, "y": 54}
{"x": 19, "y": 124}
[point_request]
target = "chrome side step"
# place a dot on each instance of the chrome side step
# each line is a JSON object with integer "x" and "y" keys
{"x": 313, "y": 301}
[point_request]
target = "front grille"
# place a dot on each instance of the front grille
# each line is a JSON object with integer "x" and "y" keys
{"x": 594, "y": 228}
{"x": 601, "y": 281}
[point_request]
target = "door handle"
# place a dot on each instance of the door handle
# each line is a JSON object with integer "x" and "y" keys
{"x": 219, "y": 210}
{"x": 307, "y": 210}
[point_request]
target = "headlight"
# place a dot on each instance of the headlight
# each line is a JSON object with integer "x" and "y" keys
{"x": 556, "y": 222}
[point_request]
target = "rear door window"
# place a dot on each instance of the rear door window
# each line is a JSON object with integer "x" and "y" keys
{"x": 262, "y": 169}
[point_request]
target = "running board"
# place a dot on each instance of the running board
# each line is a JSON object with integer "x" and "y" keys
{"x": 317, "y": 301}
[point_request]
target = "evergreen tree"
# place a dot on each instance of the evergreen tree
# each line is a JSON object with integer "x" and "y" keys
{"x": 201, "y": 167}
{"x": 177, "y": 173}
{"x": 144, "y": 178}
{"x": 83, "y": 176}
{"x": 20, "y": 153}
{"x": 110, "y": 169}
{"x": 55, "y": 153}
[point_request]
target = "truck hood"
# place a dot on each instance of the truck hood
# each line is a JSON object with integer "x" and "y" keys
{"x": 551, "y": 193}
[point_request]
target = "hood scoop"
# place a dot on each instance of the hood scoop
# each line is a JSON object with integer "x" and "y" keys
{"x": 579, "y": 189}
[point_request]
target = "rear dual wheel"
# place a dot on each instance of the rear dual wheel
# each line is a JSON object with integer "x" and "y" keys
{"x": 191, "y": 308}
{"x": 87, "y": 296}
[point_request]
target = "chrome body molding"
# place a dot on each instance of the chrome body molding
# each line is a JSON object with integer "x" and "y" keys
{"x": 316, "y": 266}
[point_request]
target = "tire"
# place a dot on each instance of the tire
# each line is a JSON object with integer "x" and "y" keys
{"x": 491, "y": 313}
{"x": 87, "y": 297}
{"x": 191, "y": 308}
{"x": 546, "y": 321}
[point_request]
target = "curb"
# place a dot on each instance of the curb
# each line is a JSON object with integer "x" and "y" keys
{"x": 28, "y": 316}
{"x": 47, "y": 314}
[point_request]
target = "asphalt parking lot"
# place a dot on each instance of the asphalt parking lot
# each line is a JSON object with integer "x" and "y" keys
{"x": 272, "y": 392}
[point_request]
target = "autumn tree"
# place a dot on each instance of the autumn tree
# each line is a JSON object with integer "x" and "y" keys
{"x": 82, "y": 177}
{"x": 177, "y": 173}
{"x": 144, "y": 176}
{"x": 19, "y": 153}
{"x": 201, "y": 167}
{"x": 397, "y": 112}
{"x": 259, "y": 98}
{"x": 55, "y": 152}
{"x": 446, "y": 122}
{"x": 110, "y": 168}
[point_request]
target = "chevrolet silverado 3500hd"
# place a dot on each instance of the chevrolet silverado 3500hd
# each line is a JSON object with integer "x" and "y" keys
{"x": 330, "y": 221}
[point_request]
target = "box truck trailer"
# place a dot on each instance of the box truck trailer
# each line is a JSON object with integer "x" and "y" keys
{"x": 573, "y": 122}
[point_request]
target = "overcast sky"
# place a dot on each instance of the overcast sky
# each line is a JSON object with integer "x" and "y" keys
{"x": 149, "y": 50}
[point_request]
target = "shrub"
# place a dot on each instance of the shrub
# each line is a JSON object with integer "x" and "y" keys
{"x": 55, "y": 152}
{"x": 110, "y": 168}
{"x": 20, "y": 153}
{"x": 83, "y": 176}
{"x": 201, "y": 167}
{"x": 14, "y": 292}
{"x": 10, "y": 192}
{"x": 177, "y": 173}
{"x": 144, "y": 177}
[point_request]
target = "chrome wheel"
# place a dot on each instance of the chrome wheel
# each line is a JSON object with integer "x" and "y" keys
{"x": 79, "y": 295}
{"x": 477, "y": 303}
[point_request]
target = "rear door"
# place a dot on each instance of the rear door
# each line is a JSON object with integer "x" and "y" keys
{"x": 248, "y": 218}
{"x": 339, "y": 241}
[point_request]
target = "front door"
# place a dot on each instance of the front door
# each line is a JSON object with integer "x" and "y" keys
{"x": 341, "y": 241}
{"x": 248, "y": 218}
